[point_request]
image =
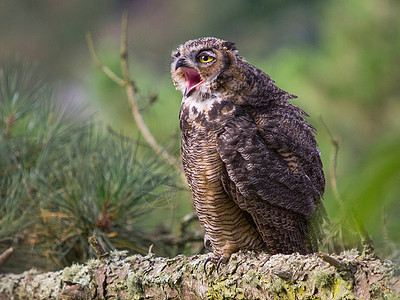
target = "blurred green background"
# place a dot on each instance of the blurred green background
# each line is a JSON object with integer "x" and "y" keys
{"x": 341, "y": 58}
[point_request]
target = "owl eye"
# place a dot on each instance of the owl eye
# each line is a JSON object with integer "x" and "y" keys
{"x": 205, "y": 59}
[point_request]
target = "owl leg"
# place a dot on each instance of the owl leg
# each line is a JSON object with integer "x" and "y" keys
{"x": 219, "y": 257}
{"x": 208, "y": 246}
{"x": 222, "y": 255}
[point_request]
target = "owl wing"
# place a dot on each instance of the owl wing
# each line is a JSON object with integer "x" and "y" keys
{"x": 266, "y": 162}
{"x": 267, "y": 175}
{"x": 283, "y": 129}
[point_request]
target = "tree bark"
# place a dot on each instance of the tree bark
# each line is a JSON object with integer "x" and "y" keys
{"x": 248, "y": 275}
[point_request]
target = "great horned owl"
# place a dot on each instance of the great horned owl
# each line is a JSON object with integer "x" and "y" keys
{"x": 250, "y": 158}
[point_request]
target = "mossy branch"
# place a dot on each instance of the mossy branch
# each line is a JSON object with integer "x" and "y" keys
{"x": 127, "y": 83}
{"x": 246, "y": 276}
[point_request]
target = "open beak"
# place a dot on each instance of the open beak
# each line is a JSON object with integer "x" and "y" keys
{"x": 192, "y": 76}
{"x": 193, "y": 80}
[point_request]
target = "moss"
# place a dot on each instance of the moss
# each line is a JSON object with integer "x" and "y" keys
{"x": 250, "y": 277}
{"x": 323, "y": 278}
{"x": 218, "y": 288}
{"x": 133, "y": 258}
{"x": 77, "y": 274}
{"x": 275, "y": 286}
{"x": 120, "y": 285}
{"x": 93, "y": 263}
{"x": 342, "y": 289}
{"x": 135, "y": 285}
{"x": 70, "y": 272}
{"x": 376, "y": 291}
{"x": 118, "y": 254}
{"x": 177, "y": 278}
{"x": 350, "y": 253}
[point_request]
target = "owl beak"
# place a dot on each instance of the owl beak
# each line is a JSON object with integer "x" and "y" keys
{"x": 193, "y": 80}
{"x": 192, "y": 77}
{"x": 181, "y": 63}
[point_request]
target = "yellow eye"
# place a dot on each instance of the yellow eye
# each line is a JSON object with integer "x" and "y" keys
{"x": 205, "y": 59}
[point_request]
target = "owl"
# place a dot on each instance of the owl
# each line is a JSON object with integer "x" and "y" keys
{"x": 249, "y": 156}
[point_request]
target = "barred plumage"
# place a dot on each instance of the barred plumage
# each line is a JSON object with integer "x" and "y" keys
{"x": 250, "y": 158}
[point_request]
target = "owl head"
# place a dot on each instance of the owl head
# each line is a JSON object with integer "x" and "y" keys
{"x": 197, "y": 64}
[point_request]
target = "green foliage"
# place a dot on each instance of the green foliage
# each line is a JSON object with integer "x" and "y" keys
{"x": 63, "y": 180}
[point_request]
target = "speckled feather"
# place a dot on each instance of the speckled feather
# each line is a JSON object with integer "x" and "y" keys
{"x": 250, "y": 158}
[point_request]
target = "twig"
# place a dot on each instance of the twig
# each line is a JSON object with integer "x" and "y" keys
{"x": 366, "y": 241}
{"x": 130, "y": 91}
{"x": 98, "y": 248}
{"x": 100, "y": 65}
{"x": 126, "y": 138}
{"x": 9, "y": 123}
{"x": 129, "y": 86}
{"x": 340, "y": 266}
{"x": 287, "y": 276}
{"x": 336, "y": 145}
{"x": 5, "y": 255}
{"x": 183, "y": 235}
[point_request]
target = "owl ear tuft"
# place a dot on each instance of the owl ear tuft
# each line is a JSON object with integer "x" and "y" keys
{"x": 229, "y": 45}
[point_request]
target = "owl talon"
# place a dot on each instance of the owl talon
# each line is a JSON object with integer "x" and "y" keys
{"x": 205, "y": 264}
{"x": 207, "y": 245}
{"x": 224, "y": 260}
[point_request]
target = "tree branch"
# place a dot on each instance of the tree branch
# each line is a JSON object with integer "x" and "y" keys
{"x": 5, "y": 255}
{"x": 129, "y": 86}
{"x": 98, "y": 248}
{"x": 366, "y": 241}
{"x": 247, "y": 276}
{"x": 106, "y": 70}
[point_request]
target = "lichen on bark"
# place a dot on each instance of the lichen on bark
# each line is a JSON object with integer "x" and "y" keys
{"x": 248, "y": 275}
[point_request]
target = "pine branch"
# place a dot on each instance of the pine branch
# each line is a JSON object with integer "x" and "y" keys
{"x": 63, "y": 180}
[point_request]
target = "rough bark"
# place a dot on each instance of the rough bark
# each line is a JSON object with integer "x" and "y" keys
{"x": 247, "y": 276}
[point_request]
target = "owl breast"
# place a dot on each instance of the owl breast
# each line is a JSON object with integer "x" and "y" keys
{"x": 211, "y": 112}
{"x": 195, "y": 107}
{"x": 227, "y": 227}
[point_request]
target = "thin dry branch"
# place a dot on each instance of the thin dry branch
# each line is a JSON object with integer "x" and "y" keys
{"x": 130, "y": 91}
{"x": 98, "y": 248}
{"x": 339, "y": 265}
{"x": 129, "y": 86}
{"x": 5, "y": 255}
{"x": 366, "y": 241}
{"x": 336, "y": 145}
{"x": 100, "y": 65}
{"x": 126, "y": 138}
